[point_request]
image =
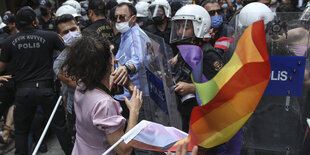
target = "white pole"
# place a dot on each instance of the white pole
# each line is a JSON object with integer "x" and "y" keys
{"x": 46, "y": 127}
{"x": 113, "y": 146}
{"x": 132, "y": 133}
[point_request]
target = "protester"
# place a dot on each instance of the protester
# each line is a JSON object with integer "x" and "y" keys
{"x": 131, "y": 51}
{"x": 99, "y": 122}
{"x": 68, "y": 29}
{"x": 182, "y": 150}
{"x": 34, "y": 83}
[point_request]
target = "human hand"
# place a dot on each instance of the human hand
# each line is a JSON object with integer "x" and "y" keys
{"x": 135, "y": 102}
{"x": 182, "y": 150}
{"x": 184, "y": 88}
{"x": 5, "y": 78}
{"x": 173, "y": 60}
{"x": 121, "y": 75}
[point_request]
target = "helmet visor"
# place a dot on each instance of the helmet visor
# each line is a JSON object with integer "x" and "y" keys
{"x": 157, "y": 10}
{"x": 181, "y": 30}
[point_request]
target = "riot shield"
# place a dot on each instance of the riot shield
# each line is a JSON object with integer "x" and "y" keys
{"x": 278, "y": 124}
{"x": 160, "y": 105}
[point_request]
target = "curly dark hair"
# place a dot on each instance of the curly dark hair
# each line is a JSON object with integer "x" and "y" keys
{"x": 88, "y": 61}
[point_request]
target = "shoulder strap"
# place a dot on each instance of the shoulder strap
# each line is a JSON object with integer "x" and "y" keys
{"x": 105, "y": 89}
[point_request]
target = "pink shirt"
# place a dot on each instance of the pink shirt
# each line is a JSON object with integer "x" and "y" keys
{"x": 97, "y": 114}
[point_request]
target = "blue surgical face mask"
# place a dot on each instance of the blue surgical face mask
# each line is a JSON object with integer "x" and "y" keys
{"x": 216, "y": 21}
{"x": 224, "y": 6}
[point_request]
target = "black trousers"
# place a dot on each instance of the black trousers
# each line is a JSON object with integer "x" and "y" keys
{"x": 71, "y": 126}
{"x": 7, "y": 92}
{"x": 26, "y": 102}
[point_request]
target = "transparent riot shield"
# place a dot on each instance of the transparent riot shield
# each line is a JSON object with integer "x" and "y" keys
{"x": 278, "y": 124}
{"x": 160, "y": 105}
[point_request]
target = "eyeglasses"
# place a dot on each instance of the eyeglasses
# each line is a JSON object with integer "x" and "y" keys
{"x": 70, "y": 30}
{"x": 212, "y": 12}
{"x": 120, "y": 17}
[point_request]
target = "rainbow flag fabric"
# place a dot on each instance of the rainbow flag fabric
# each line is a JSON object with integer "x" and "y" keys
{"x": 227, "y": 100}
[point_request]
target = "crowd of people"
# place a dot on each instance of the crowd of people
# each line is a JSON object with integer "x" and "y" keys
{"x": 93, "y": 54}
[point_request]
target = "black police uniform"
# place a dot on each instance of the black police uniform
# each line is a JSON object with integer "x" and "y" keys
{"x": 47, "y": 25}
{"x": 102, "y": 27}
{"x": 7, "y": 90}
{"x": 165, "y": 34}
{"x": 32, "y": 51}
{"x": 212, "y": 63}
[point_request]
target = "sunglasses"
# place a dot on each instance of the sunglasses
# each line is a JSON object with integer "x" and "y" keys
{"x": 120, "y": 17}
{"x": 212, "y": 12}
{"x": 70, "y": 30}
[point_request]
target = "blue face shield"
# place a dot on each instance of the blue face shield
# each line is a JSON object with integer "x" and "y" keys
{"x": 216, "y": 21}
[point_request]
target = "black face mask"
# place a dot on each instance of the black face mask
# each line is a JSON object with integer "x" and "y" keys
{"x": 185, "y": 41}
{"x": 43, "y": 12}
{"x": 158, "y": 20}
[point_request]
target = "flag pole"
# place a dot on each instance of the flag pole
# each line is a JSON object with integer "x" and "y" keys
{"x": 113, "y": 146}
{"x": 46, "y": 127}
{"x": 129, "y": 135}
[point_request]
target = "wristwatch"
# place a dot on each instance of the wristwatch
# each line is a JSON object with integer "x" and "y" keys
{"x": 129, "y": 69}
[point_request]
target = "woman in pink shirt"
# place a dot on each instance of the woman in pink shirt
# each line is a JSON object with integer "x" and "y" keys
{"x": 99, "y": 123}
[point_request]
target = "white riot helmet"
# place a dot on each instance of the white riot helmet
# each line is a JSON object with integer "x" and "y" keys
{"x": 123, "y": 1}
{"x": 74, "y": 4}
{"x": 191, "y": 13}
{"x": 142, "y": 9}
{"x": 147, "y": 1}
{"x": 160, "y": 3}
{"x": 67, "y": 9}
{"x": 253, "y": 12}
{"x": 2, "y": 25}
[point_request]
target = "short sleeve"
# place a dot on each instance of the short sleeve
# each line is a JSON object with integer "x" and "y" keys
{"x": 5, "y": 54}
{"x": 106, "y": 116}
{"x": 59, "y": 61}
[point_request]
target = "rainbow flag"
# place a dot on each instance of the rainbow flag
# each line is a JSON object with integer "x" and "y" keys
{"x": 230, "y": 98}
{"x": 227, "y": 100}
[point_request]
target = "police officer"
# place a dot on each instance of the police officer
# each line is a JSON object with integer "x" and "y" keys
{"x": 161, "y": 14}
{"x": 190, "y": 25}
{"x": 46, "y": 19}
{"x": 31, "y": 50}
{"x": 7, "y": 88}
{"x": 97, "y": 12}
{"x": 143, "y": 14}
{"x": 10, "y": 21}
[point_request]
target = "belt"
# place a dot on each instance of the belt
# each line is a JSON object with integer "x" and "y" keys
{"x": 37, "y": 84}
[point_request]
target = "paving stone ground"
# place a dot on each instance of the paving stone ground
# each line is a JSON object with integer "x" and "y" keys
{"x": 52, "y": 145}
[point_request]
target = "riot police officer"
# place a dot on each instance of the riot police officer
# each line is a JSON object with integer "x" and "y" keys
{"x": 190, "y": 25}
{"x": 31, "y": 51}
